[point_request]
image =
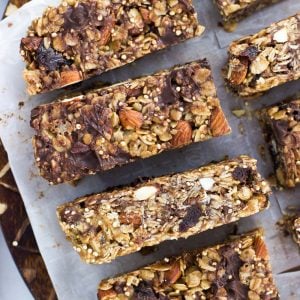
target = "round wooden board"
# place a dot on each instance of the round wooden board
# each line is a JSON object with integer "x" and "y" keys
{"x": 19, "y": 235}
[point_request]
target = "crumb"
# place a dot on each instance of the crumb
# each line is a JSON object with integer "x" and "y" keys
{"x": 10, "y": 24}
{"x": 41, "y": 195}
{"x": 21, "y": 104}
{"x": 241, "y": 128}
{"x": 230, "y": 26}
{"x": 238, "y": 112}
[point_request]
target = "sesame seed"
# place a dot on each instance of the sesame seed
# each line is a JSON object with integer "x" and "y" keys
{"x": 15, "y": 243}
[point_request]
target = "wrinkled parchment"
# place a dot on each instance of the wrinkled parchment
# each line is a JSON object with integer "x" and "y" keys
{"x": 74, "y": 279}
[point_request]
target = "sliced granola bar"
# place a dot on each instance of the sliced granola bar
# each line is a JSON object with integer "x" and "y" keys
{"x": 235, "y": 10}
{"x": 282, "y": 126}
{"x": 82, "y": 38}
{"x": 115, "y": 125}
{"x": 238, "y": 269}
{"x": 264, "y": 60}
{"x": 104, "y": 226}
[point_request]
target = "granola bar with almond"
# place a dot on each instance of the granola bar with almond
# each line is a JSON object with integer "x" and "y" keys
{"x": 115, "y": 125}
{"x": 266, "y": 59}
{"x": 105, "y": 226}
{"x": 83, "y": 38}
{"x": 235, "y": 10}
{"x": 282, "y": 127}
{"x": 237, "y": 269}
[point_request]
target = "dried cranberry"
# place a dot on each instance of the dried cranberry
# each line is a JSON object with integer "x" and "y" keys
{"x": 50, "y": 59}
{"x": 191, "y": 218}
{"x": 250, "y": 52}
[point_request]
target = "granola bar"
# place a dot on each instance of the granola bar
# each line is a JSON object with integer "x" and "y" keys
{"x": 282, "y": 126}
{"x": 82, "y": 38}
{"x": 116, "y": 125}
{"x": 104, "y": 226}
{"x": 238, "y": 269}
{"x": 264, "y": 60}
{"x": 235, "y": 10}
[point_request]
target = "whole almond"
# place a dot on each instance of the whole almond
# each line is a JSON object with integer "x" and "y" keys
{"x": 131, "y": 119}
{"x": 183, "y": 135}
{"x": 218, "y": 123}
{"x": 260, "y": 248}
{"x": 238, "y": 69}
{"x": 173, "y": 274}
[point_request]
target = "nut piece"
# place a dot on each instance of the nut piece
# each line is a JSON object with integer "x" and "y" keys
{"x": 131, "y": 119}
{"x": 130, "y": 218}
{"x": 207, "y": 183}
{"x": 183, "y": 135}
{"x": 260, "y": 248}
{"x": 281, "y": 36}
{"x": 106, "y": 294}
{"x": 218, "y": 123}
{"x": 69, "y": 77}
{"x": 172, "y": 275}
{"x": 145, "y": 192}
{"x": 237, "y": 71}
{"x": 31, "y": 43}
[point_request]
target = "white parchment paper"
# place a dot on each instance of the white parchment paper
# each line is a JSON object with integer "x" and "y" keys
{"x": 74, "y": 279}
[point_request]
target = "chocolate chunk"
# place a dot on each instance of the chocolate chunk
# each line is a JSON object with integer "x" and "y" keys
{"x": 280, "y": 129}
{"x": 244, "y": 175}
{"x": 284, "y": 135}
{"x": 145, "y": 291}
{"x": 169, "y": 95}
{"x": 79, "y": 148}
{"x": 250, "y": 52}
{"x": 77, "y": 17}
{"x": 50, "y": 59}
{"x": 191, "y": 218}
{"x": 237, "y": 290}
{"x": 96, "y": 119}
{"x": 169, "y": 37}
{"x": 229, "y": 267}
{"x": 87, "y": 160}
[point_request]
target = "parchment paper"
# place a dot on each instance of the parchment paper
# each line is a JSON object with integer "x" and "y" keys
{"x": 74, "y": 279}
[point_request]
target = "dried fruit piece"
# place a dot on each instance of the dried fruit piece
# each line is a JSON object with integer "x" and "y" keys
{"x": 131, "y": 119}
{"x": 244, "y": 175}
{"x": 183, "y": 135}
{"x": 191, "y": 218}
{"x": 49, "y": 59}
{"x": 218, "y": 123}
